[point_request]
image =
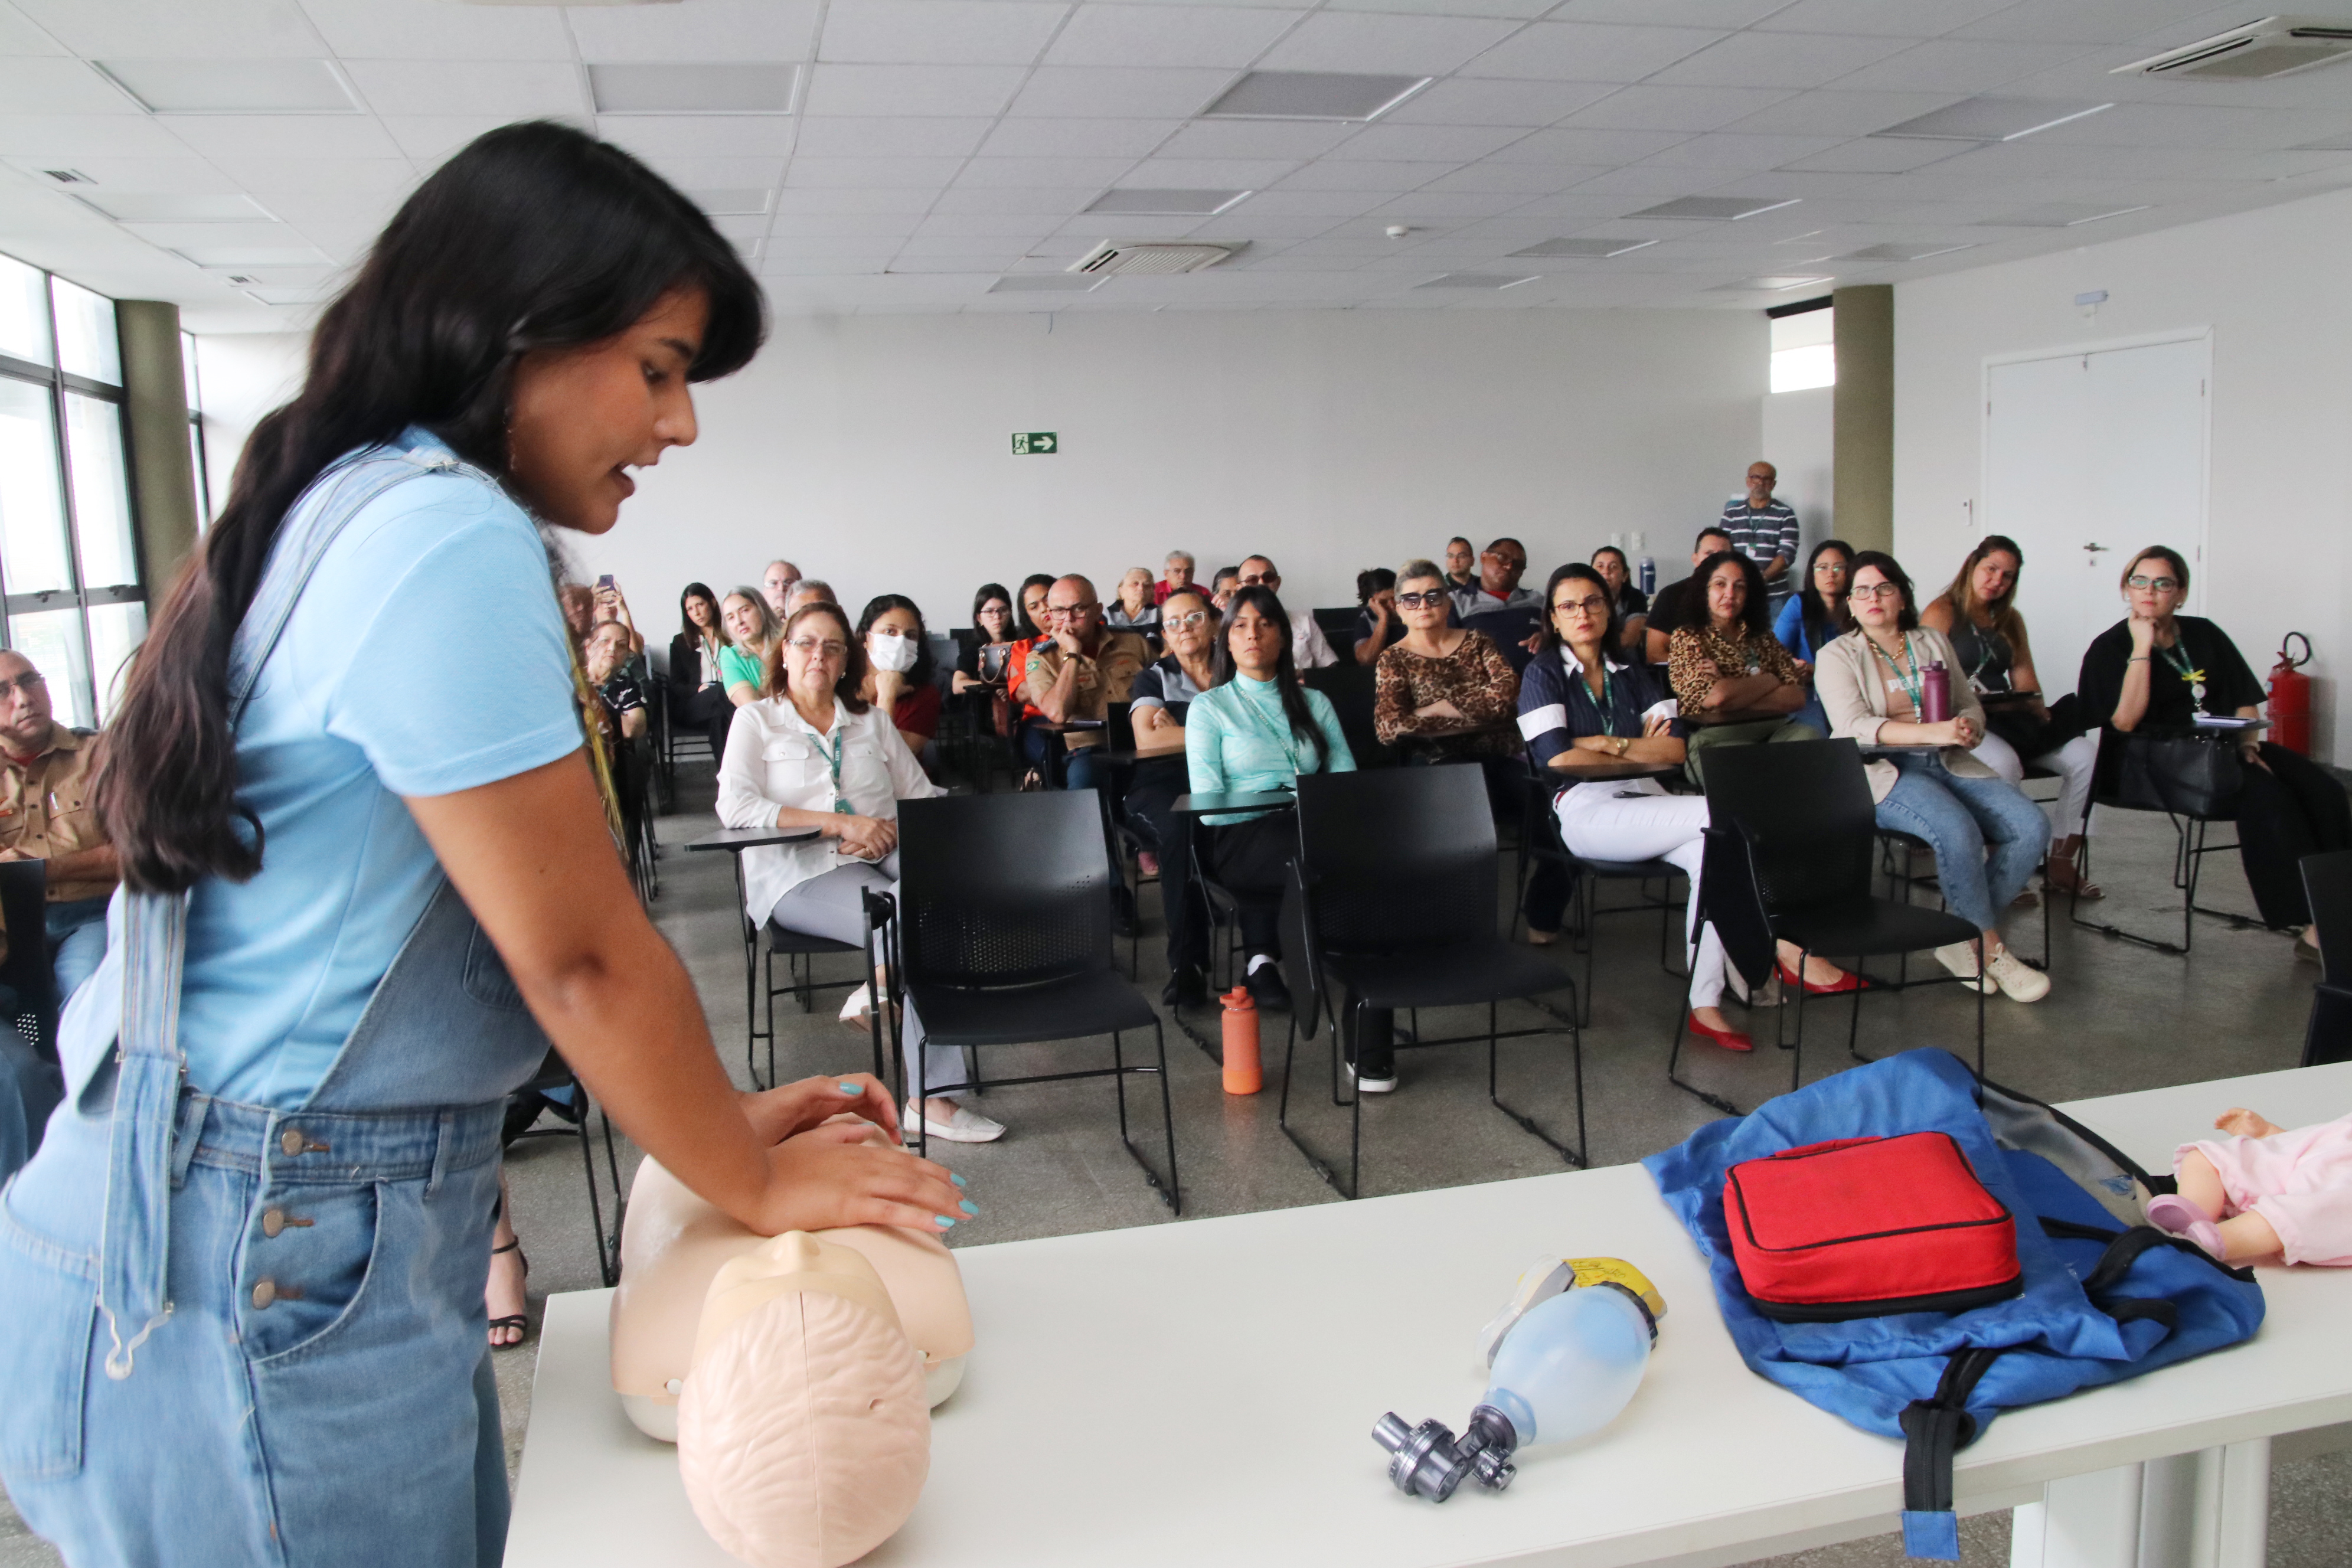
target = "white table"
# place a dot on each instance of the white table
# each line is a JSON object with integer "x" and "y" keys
{"x": 1205, "y": 1391}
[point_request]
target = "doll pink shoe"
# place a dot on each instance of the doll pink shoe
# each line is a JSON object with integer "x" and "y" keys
{"x": 2172, "y": 1213}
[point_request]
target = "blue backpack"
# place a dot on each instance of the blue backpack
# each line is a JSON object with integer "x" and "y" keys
{"x": 2105, "y": 1295}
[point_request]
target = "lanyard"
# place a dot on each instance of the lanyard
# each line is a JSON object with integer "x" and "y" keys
{"x": 1910, "y": 684}
{"x": 832, "y": 759}
{"x": 1606, "y": 702}
{"x": 1984, "y": 635}
{"x": 2179, "y": 660}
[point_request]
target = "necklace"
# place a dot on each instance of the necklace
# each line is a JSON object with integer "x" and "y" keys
{"x": 1910, "y": 683}
{"x": 2179, "y": 660}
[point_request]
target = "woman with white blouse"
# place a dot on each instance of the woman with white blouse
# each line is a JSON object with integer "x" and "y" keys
{"x": 815, "y": 754}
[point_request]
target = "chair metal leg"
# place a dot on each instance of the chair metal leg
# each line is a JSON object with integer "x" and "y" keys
{"x": 1527, "y": 1125}
{"x": 2188, "y": 911}
{"x": 1674, "y": 1058}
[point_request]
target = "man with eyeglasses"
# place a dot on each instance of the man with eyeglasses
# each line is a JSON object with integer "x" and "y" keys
{"x": 1308, "y": 648}
{"x": 1763, "y": 530}
{"x": 1080, "y": 669}
{"x": 46, "y": 815}
{"x": 1461, "y": 563}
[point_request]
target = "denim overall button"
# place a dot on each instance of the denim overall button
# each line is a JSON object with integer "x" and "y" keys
{"x": 290, "y": 1140}
{"x": 272, "y": 1221}
{"x": 264, "y": 1293}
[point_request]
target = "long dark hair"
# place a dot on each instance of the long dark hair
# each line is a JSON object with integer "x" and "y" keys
{"x": 926, "y": 663}
{"x": 1755, "y": 614}
{"x": 1814, "y": 610}
{"x": 535, "y": 236}
{"x": 1908, "y": 619}
{"x": 1999, "y": 614}
{"x": 1263, "y": 599}
{"x": 1024, "y": 625}
{"x": 717, "y": 624}
{"x": 995, "y": 590}
{"x": 1578, "y": 571}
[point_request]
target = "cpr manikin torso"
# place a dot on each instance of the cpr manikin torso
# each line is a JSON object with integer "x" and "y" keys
{"x": 796, "y": 1374}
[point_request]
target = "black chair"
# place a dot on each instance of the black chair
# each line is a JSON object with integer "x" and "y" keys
{"x": 1539, "y": 841}
{"x": 800, "y": 951}
{"x": 1338, "y": 627}
{"x": 1350, "y": 689}
{"x": 2190, "y": 845}
{"x": 555, "y": 1089}
{"x": 1903, "y": 875}
{"x": 1004, "y": 938}
{"x": 25, "y": 905}
{"x": 1393, "y": 898}
{"x": 2327, "y": 884}
{"x": 1791, "y": 834}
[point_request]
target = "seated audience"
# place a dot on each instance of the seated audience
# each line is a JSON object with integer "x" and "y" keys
{"x": 30, "y": 1084}
{"x": 606, "y": 659}
{"x": 750, "y": 644}
{"x": 578, "y": 603}
{"x": 1500, "y": 566}
{"x": 1160, "y": 698}
{"x": 1308, "y": 646}
{"x": 900, "y": 668}
{"x": 1077, "y": 673}
{"x": 1582, "y": 706}
{"x": 613, "y": 606}
{"x": 776, "y": 586}
{"x": 1256, "y": 730}
{"x": 980, "y": 664}
{"x": 1461, "y": 564}
{"x": 46, "y": 815}
{"x": 1135, "y": 610}
{"x": 807, "y": 591}
{"x": 1988, "y": 837}
{"x": 1815, "y": 616}
{"x": 1222, "y": 586}
{"x": 697, "y": 681}
{"x": 817, "y": 755}
{"x": 2153, "y": 672}
{"x": 1632, "y": 605}
{"x": 1442, "y": 693}
{"x": 1028, "y": 631}
{"x": 1179, "y": 568}
{"x": 1724, "y": 660}
{"x": 1667, "y": 608}
{"x": 1979, "y": 614}
{"x": 1377, "y": 622}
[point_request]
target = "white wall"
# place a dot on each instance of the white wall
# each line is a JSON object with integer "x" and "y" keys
{"x": 239, "y": 378}
{"x": 1799, "y": 440}
{"x": 2270, "y": 286}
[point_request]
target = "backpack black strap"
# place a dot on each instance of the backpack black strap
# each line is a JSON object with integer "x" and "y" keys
{"x": 2123, "y": 1249}
{"x": 1933, "y": 1431}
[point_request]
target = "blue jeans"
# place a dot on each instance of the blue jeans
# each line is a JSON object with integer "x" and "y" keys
{"x": 76, "y": 942}
{"x": 30, "y": 1086}
{"x": 1078, "y": 769}
{"x": 1988, "y": 837}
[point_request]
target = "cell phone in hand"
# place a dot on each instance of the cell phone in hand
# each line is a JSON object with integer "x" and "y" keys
{"x": 604, "y": 584}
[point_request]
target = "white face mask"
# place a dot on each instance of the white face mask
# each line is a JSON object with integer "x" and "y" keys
{"x": 893, "y": 651}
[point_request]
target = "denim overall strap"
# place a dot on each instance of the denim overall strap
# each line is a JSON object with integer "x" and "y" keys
{"x": 135, "y": 1237}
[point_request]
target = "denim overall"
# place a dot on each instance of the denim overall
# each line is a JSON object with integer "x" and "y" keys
{"x": 236, "y": 1334}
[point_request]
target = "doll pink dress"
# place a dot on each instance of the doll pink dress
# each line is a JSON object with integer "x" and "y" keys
{"x": 2300, "y": 1181}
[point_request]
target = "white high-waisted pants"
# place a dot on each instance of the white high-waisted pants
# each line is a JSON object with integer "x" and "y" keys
{"x": 2070, "y": 813}
{"x": 1639, "y": 821}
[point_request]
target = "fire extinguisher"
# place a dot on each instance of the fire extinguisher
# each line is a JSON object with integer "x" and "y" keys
{"x": 2291, "y": 697}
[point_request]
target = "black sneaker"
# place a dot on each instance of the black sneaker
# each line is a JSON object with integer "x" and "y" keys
{"x": 1376, "y": 1075}
{"x": 1266, "y": 988}
{"x": 1187, "y": 987}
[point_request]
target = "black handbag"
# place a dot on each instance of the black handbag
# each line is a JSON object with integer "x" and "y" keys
{"x": 2194, "y": 775}
{"x": 2032, "y": 734}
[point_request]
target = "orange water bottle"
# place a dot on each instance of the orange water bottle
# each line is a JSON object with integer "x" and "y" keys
{"x": 1241, "y": 1072}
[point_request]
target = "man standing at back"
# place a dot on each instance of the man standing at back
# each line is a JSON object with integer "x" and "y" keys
{"x": 1763, "y": 530}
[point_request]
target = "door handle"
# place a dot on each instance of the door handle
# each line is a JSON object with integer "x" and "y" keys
{"x": 2096, "y": 549}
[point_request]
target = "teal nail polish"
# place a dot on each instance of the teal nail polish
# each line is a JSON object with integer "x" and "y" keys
{"x": 956, "y": 1179}
{"x": 968, "y": 1206}
{"x": 945, "y": 1222}
{"x": 851, "y": 1089}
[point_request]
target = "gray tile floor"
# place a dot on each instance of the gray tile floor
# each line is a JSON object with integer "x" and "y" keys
{"x": 2119, "y": 1018}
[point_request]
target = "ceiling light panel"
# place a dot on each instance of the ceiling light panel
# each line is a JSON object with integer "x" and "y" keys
{"x": 233, "y": 86}
{"x": 1148, "y": 200}
{"x": 175, "y": 206}
{"x": 217, "y": 257}
{"x": 1483, "y": 280}
{"x": 1775, "y": 284}
{"x": 2059, "y": 215}
{"x": 1365, "y": 41}
{"x": 1044, "y": 283}
{"x": 1901, "y": 252}
{"x": 1714, "y": 209}
{"x": 1596, "y": 249}
{"x": 507, "y": 89}
{"x": 1992, "y": 120}
{"x": 1117, "y": 92}
{"x": 1313, "y": 95}
{"x": 733, "y": 202}
{"x": 664, "y": 88}
{"x": 706, "y": 30}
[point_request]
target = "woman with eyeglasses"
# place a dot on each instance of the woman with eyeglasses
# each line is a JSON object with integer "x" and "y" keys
{"x": 1444, "y": 693}
{"x": 1814, "y": 618}
{"x": 1161, "y": 696}
{"x": 2157, "y": 670}
{"x": 979, "y": 678}
{"x": 1979, "y": 612}
{"x": 815, "y": 754}
{"x": 1988, "y": 837}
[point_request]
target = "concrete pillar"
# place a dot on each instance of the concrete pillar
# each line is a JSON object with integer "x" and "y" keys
{"x": 155, "y": 425}
{"x": 1863, "y": 438}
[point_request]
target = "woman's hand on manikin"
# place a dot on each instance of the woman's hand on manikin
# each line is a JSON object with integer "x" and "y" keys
{"x": 791, "y": 1109}
{"x": 833, "y": 1175}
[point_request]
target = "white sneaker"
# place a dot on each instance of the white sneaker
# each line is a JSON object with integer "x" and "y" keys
{"x": 2019, "y": 979}
{"x": 1960, "y": 958}
{"x": 1370, "y": 1083}
{"x": 858, "y": 1009}
{"x": 966, "y": 1126}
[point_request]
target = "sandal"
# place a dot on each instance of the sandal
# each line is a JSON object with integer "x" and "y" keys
{"x": 519, "y": 1321}
{"x": 2066, "y": 877}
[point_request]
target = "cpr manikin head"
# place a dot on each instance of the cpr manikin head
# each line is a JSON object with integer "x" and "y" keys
{"x": 804, "y": 1433}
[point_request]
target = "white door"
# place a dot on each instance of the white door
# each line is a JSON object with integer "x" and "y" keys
{"x": 2089, "y": 458}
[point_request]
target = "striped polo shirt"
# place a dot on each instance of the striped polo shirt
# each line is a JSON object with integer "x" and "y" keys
{"x": 1762, "y": 535}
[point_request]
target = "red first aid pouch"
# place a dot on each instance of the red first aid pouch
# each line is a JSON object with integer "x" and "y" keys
{"x": 1862, "y": 1227}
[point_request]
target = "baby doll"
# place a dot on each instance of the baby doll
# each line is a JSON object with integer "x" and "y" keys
{"x": 2265, "y": 1191}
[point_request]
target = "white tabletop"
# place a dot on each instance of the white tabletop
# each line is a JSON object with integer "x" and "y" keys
{"x": 1205, "y": 1391}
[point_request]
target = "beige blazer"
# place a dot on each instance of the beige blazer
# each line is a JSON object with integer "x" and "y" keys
{"x": 1851, "y": 680}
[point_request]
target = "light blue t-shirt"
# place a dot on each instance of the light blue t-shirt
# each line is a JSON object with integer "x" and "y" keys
{"x": 426, "y": 657}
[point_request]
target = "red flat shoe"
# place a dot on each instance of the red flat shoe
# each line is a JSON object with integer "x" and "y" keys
{"x": 1849, "y": 981}
{"x": 1730, "y": 1040}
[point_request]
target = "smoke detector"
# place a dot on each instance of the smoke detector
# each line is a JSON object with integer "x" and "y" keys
{"x": 1112, "y": 255}
{"x": 2275, "y": 46}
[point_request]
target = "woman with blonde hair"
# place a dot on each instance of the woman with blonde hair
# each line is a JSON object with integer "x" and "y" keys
{"x": 746, "y": 663}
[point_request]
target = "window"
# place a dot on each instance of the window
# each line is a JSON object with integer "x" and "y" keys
{"x": 1804, "y": 353}
{"x": 69, "y": 576}
{"x": 197, "y": 470}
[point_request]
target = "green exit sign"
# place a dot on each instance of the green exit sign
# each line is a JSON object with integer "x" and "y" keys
{"x": 1035, "y": 443}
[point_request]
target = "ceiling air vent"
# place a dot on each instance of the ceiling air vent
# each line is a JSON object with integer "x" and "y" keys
{"x": 2275, "y": 46}
{"x": 1111, "y": 257}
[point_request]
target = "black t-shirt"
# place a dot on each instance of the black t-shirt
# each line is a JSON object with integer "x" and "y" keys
{"x": 1632, "y": 602}
{"x": 1395, "y": 633}
{"x": 2207, "y": 651}
{"x": 1667, "y": 609}
{"x": 621, "y": 694}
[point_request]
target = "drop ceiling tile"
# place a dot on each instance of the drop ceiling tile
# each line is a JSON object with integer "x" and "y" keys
{"x": 1875, "y": 156}
{"x": 57, "y": 85}
{"x": 981, "y": 226}
{"x": 1490, "y": 101}
{"x": 281, "y": 135}
{"x": 876, "y": 228}
{"x": 1368, "y": 41}
{"x": 938, "y": 32}
{"x": 1684, "y": 108}
{"x": 1525, "y": 179}
{"x": 825, "y": 266}
{"x": 1207, "y": 173}
{"x": 430, "y": 138}
{"x": 1582, "y": 51}
{"x": 870, "y": 174}
{"x": 367, "y": 179}
{"x": 2094, "y": 22}
{"x": 1287, "y": 139}
{"x": 732, "y": 30}
{"x": 1167, "y": 36}
{"x": 1880, "y": 19}
{"x": 516, "y": 89}
{"x": 19, "y": 37}
{"x": 1058, "y": 202}
{"x": 1832, "y": 112}
{"x": 698, "y": 135}
{"x": 66, "y": 139}
{"x": 1946, "y": 65}
{"x": 1520, "y": 10}
{"x": 918, "y": 89}
{"x": 1425, "y": 144}
{"x": 2185, "y": 125}
{"x": 791, "y": 242}
{"x": 1648, "y": 180}
{"x": 417, "y": 29}
{"x": 1112, "y": 92}
{"x": 1731, "y": 150}
{"x": 177, "y": 29}
{"x": 1332, "y": 205}
{"x": 1040, "y": 173}
{"x": 876, "y": 136}
{"x": 1129, "y": 225}
{"x": 183, "y": 175}
{"x": 1078, "y": 137}
{"x": 1778, "y": 59}
{"x": 1447, "y": 205}
{"x": 1342, "y": 175}
{"x": 188, "y": 236}
{"x": 1807, "y": 186}
{"x": 1563, "y": 144}
{"x": 910, "y": 205}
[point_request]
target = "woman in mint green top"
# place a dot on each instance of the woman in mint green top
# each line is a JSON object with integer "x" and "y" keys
{"x": 1257, "y": 729}
{"x": 743, "y": 662}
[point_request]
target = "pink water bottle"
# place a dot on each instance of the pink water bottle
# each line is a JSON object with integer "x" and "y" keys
{"x": 1935, "y": 693}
